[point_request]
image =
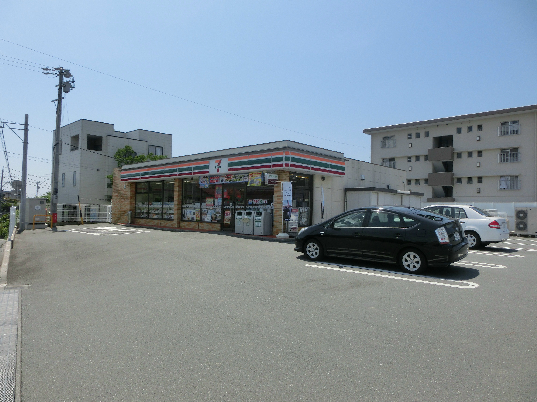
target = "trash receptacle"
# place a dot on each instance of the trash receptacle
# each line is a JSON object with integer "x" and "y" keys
{"x": 239, "y": 222}
{"x": 263, "y": 223}
{"x": 248, "y": 220}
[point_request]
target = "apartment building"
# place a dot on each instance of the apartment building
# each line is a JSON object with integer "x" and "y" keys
{"x": 481, "y": 157}
{"x": 87, "y": 151}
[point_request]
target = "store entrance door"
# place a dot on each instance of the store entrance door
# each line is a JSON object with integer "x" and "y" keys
{"x": 233, "y": 200}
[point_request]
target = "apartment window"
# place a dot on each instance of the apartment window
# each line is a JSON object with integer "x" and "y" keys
{"x": 426, "y": 134}
{"x": 479, "y": 154}
{"x": 388, "y": 142}
{"x": 95, "y": 142}
{"x": 470, "y": 154}
{"x": 410, "y": 145}
{"x": 418, "y": 135}
{"x": 409, "y": 158}
{"x": 388, "y": 162}
{"x": 425, "y": 158}
{"x": 426, "y": 181}
{"x": 469, "y": 180}
{"x": 74, "y": 178}
{"x": 509, "y": 183}
{"x": 480, "y": 179}
{"x": 63, "y": 179}
{"x": 509, "y": 155}
{"x": 459, "y": 130}
{"x": 480, "y": 127}
{"x": 459, "y": 180}
{"x": 417, "y": 157}
{"x": 459, "y": 155}
{"x": 409, "y": 136}
{"x": 155, "y": 150}
{"x": 74, "y": 142}
{"x": 509, "y": 127}
{"x": 469, "y": 129}
{"x": 417, "y": 182}
{"x": 409, "y": 182}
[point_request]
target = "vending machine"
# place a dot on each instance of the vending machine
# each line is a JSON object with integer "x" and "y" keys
{"x": 248, "y": 220}
{"x": 263, "y": 223}
{"x": 239, "y": 222}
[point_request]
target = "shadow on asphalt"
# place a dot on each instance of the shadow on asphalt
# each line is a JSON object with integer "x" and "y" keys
{"x": 453, "y": 272}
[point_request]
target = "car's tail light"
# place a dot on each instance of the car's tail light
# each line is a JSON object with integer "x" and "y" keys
{"x": 442, "y": 235}
{"x": 494, "y": 225}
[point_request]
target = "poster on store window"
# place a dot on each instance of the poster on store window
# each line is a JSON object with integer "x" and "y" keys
{"x": 204, "y": 181}
{"x": 287, "y": 193}
{"x": 255, "y": 179}
{"x": 287, "y": 200}
{"x": 293, "y": 221}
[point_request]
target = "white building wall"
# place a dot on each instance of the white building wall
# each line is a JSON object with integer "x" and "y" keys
{"x": 486, "y": 140}
{"x": 358, "y": 174}
{"x": 91, "y": 166}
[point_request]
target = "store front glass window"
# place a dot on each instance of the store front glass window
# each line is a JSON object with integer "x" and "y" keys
{"x": 191, "y": 201}
{"x": 154, "y": 200}
{"x": 302, "y": 200}
{"x": 211, "y": 204}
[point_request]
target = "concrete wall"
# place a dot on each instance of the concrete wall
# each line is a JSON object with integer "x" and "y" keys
{"x": 91, "y": 166}
{"x": 487, "y": 141}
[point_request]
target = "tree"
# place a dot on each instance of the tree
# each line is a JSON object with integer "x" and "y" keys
{"x": 127, "y": 156}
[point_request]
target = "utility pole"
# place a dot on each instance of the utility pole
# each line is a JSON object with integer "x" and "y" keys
{"x": 22, "y": 212}
{"x": 37, "y": 191}
{"x": 66, "y": 86}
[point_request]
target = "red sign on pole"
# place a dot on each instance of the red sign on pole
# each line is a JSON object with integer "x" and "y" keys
{"x": 54, "y": 218}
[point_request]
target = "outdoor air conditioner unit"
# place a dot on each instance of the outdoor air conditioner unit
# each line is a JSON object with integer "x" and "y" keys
{"x": 526, "y": 221}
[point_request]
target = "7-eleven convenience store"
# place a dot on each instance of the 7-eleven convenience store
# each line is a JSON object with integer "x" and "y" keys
{"x": 295, "y": 184}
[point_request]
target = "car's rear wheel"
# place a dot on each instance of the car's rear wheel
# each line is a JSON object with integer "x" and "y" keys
{"x": 412, "y": 261}
{"x": 474, "y": 241}
{"x": 313, "y": 250}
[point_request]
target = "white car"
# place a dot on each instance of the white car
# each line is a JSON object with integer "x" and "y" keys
{"x": 480, "y": 227}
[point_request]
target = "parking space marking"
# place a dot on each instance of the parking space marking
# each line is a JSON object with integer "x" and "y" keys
{"x": 490, "y": 253}
{"x": 109, "y": 230}
{"x": 429, "y": 280}
{"x": 518, "y": 249}
{"x": 480, "y": 264}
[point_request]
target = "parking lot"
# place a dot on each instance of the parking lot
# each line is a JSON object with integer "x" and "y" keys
{"x": 123, "y": 313}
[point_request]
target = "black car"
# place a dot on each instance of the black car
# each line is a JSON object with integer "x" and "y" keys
{"x": 411, "y": 237}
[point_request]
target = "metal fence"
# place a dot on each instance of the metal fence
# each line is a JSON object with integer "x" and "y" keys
{"x": 86, "y": 213}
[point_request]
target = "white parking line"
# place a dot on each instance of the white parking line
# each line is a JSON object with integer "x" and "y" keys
{"x": 480, "y": 264}
{"x": 496, "y": 254}
{"x": 401, "y": 276}
{"x": 108, "y": 230}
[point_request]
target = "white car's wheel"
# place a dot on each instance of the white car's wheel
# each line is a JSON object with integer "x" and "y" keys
{"x": 413, "y": 261}
{"x": 474, "y": 241}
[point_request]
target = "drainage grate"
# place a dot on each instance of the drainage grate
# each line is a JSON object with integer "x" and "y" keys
{"x": 9, "y": 319}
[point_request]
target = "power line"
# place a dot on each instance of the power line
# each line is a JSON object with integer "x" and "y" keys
{"x": 5, "y": 151}
{"x": 187, "y": 100}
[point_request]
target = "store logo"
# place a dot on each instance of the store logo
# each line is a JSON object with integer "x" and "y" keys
{"x": 218, "y": 166}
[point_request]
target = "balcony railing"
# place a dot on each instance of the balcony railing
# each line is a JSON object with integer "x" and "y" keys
{"x": 440, "y": 154}
{"x": 509, "y": 183}
{"x": 509, "y": 157}
{"x": 440, "y": 179}
{"x": 509, "y": 129}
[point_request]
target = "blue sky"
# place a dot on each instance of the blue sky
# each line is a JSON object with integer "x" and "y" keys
{"x": 223, "y": 74}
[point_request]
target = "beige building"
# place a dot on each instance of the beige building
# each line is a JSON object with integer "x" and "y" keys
{"x": 488, "y": 157}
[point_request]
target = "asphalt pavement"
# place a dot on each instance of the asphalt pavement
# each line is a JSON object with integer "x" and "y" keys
{"x": 131, "y": 314}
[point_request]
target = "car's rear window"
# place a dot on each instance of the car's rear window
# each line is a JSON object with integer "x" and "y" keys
{"x": 481, "y": 212}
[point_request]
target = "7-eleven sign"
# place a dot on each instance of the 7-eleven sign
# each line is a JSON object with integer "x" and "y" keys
{"x": 218, "y": 166}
